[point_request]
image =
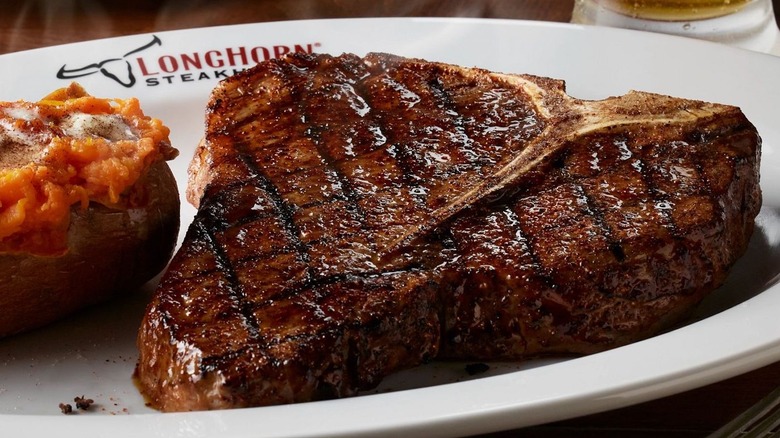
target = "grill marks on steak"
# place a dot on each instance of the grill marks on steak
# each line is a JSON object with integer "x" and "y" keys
{"x": 602, "y": 253}
{"x": 399, "y": 142}
{"x": 361, "y": 215}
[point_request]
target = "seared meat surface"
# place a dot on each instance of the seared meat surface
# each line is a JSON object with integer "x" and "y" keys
{"x": 362, "y": 215}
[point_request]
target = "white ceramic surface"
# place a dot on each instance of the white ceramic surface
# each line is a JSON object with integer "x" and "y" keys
{"x": 93, "y": 353}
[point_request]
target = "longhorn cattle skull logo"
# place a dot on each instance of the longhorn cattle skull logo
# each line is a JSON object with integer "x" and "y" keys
{"x": 118, "y": 69}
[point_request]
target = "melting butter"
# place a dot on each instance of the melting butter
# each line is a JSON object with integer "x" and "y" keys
{"x": 108, "y": 126}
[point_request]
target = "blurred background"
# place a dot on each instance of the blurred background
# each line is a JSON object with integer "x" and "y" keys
{"x": 63, "y": 20}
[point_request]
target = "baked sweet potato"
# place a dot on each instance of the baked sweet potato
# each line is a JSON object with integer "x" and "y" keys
{"x": 89, "y": 208}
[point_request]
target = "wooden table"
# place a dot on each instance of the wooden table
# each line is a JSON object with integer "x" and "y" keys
{"x": 31, "y": 24}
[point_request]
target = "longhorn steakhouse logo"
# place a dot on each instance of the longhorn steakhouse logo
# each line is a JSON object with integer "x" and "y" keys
{"x": 156, "y": 69}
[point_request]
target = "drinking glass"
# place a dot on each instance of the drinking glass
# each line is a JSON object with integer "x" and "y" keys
{"x": 743, "y": 23}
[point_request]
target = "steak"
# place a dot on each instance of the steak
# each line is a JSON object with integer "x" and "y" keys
{"x": 360, "y": 215}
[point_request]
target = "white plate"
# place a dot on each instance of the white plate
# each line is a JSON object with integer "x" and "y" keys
{"x": 94, "y": 353}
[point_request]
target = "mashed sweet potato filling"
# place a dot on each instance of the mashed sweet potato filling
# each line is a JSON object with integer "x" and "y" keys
{"x": 70, "y": 148}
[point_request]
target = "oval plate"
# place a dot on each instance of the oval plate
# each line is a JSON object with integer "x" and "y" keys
{"x": 172, "y": 73}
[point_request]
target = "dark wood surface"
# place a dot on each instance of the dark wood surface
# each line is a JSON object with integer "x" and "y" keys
{"x": 39, "y": 23}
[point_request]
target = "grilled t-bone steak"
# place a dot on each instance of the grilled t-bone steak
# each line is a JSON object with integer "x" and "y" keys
{"x": 362, "y": 215}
